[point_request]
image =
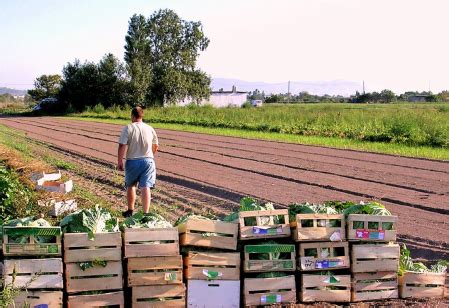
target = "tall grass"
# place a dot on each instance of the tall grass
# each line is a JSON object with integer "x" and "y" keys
{"x": 408, "y": 124}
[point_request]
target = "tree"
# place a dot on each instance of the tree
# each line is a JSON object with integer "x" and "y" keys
{"x": 161, "y": 54}
{"x": 45, "y": 86}
{"x": 88, "y": 84}
{"x": 387, "y": 96}
{"x": 137, "y": 63}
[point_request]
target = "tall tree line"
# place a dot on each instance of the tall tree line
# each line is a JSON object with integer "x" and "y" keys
{"x": 161, "y": 52}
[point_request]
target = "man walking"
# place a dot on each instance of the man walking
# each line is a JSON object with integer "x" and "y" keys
{"x": 140, "y": 143}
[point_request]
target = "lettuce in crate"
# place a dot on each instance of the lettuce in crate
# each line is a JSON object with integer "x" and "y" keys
{"x": 90, "y": 221}
{"x": 28, "y": 222}
{"x": 249, "y": 204}
{"x": 141, "y": 220}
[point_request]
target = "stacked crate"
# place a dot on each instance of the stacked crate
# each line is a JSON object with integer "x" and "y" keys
{"x": 266, "y": 225}
{"x": 375, "y": 257}
{"x": 93, "y": 264}
{"x": 154, "y": 267}
{"x": 34, "y": 266}
{"x": 322, "y": 247}
{"x": 211, "y": 271}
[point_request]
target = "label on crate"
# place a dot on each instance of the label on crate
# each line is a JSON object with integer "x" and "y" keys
{"x": 310, "y": 263}
{"x": 170, "y": 276}
{"x": 267, "y": 230}
{"x": 336, "y": 236}
{"x": 211, "y": 274}
{"x": 270, "y": 299}
{"x": 369, "y": 234}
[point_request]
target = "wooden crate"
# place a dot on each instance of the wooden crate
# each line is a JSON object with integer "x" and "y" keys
{"x": 421, "y": 285}
{"x": 48, "y": 299}
{"x": 267, "y": 291}
{"x": 374, "y": 286}
{"x": 159, "y": 296}
{"x": 374, "y": 228}
{"x": 208, "y": 233}
{"x": 213, "y": 294}
{"x": 318, "y": 227}
{"x": 143, "y": 242}
{"x": 374, "y": 258}
{"x": 264, "y": 224}
{"x": 35, "y": 273}
{"x": 327, "y": 255}
{"x": 212, "y": 266}
{"x": 115, "y": 299}
{"x": 254, "y": 264}
{"x": 313, "y": 288}
{"x": 32, "y": 247}
{"x": 96, "y": 278}
{"x": 149, "y": 271}
{"x": 79, "y": 250}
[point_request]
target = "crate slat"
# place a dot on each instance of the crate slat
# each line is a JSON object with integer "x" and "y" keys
{"x": 222, "y": 235}
{"x": 421, "y": 285}
{"x": 79, "y": 248}
{"x": 36, "y": 273}
{"x": 261, "y": 230}
{"x": 256, "y": 265}
{"x": 368, "y": 234}
{"x": 78, "y": 280}
{"x": 312, "y": 288}
{"x": 318, "y": 231}
{"x": 374, "y": 286}
{"x": 265, "y": 291}
{"x": 143, "y": 242}
{"x": 48, "y": 299}
{"x": 221, "y": 266}
{"x": 32, "y": 247}
{"x": 318, "y": 263}
{"x": 374, "y": 258}
{"x": 159, "y": 296}
{"x": 97, "y": 300}
{"x": 154, "y": 271}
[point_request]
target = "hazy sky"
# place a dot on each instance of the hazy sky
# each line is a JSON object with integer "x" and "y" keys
{"x": 396, "y": 44}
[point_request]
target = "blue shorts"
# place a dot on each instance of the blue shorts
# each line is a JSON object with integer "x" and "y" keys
{"x": 142, "y": 171}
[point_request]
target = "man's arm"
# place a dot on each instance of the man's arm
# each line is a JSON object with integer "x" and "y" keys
{"x": 155, "y": 147}
{"x": 120, "y": 156}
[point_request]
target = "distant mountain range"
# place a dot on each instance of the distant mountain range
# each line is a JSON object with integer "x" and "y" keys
{"x": 333, "y": 87}
{"x": 14, "y": 92}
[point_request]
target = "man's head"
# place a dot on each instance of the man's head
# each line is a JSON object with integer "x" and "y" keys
{"x": 136, "y": 114}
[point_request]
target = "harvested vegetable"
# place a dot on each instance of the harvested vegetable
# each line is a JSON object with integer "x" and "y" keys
{"x": 406, "y": 264}
{"x": 249, "y": 204}
{"x": 28, "y": 222}
{"x": 141, "y": 220}
{"x": 90, "y": 221}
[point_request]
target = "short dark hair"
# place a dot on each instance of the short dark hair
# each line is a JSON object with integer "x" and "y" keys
{"x": 137, "y": 112}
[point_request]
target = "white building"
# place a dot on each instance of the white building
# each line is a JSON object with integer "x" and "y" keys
{"x": 222, "y": 98}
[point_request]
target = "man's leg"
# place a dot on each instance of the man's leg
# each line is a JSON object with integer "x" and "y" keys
{"x": 131, "y": 196}
{"x": 146, "y": 198}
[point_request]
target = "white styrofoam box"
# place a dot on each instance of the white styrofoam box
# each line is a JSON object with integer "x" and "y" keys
{"x": 59, "y": 187}
{"x": 40, "y": 178}
{"x": 213, "y": 294}
{"x": 59, "y": 207}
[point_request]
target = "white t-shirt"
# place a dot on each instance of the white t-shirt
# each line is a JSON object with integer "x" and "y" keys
{"x": 139, "y": 137}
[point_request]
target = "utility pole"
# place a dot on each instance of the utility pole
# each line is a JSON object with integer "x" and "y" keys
{"x": 363, "y": 87}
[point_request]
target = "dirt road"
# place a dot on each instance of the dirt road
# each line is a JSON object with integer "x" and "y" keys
{"x": 199, "y": 172}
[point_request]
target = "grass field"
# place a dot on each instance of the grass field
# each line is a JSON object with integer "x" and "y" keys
{"x": 401, "y": 123}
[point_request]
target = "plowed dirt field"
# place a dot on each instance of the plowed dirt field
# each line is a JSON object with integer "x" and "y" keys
{"x": 204, "y": 172}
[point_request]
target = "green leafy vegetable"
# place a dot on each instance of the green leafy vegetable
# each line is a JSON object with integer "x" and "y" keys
{"x": 28, "y": 222}
{"x": 249, "y": 204}
{"x": 90, "y": 221}
{"x": 90, "y": 264}
{"x": 406, "y": 264}
{"x": 150, "y": 220}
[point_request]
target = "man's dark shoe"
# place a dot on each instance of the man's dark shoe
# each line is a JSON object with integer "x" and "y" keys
{"x": 127, "y": 213}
